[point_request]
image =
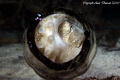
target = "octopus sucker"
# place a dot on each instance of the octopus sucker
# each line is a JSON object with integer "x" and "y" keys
{"x": 60, "y": 44}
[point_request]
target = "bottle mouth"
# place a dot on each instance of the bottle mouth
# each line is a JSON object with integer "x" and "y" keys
{"x": 82, "y": 46}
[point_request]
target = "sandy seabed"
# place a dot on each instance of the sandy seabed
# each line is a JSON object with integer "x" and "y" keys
{"x": 14, "y": 67}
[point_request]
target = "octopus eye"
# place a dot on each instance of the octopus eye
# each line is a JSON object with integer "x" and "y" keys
{"x": 60, "y": 44}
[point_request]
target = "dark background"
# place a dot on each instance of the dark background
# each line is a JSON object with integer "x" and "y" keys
{"x": 15, "y": 16}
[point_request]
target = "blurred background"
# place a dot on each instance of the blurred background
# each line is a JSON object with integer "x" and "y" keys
{"x": 15, "y": 15}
